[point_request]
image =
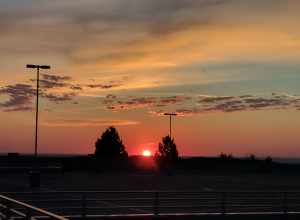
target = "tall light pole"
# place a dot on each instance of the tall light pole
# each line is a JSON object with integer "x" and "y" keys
{"x": 37, "y": 67}
{"x": 170, "y": 114}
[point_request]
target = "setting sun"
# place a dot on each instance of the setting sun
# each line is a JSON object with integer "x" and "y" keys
{"x": 146, "y": 153}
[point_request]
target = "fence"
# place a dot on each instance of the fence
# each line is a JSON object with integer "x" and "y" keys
{"x": 159, "y": 203}
{"x": 13, "y": 209}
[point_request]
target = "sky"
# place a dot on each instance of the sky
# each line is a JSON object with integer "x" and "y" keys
{"x": 229, "y": 69}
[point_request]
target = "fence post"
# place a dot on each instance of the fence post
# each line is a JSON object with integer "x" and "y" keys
{"x": 28, "y": 214}
{"x": 223, "y": 203}
{"x": 7, "y": 210}
{"x": 156, "y": 203}
{"x": 83, "y": 206}
{"x": 285, "y": 203}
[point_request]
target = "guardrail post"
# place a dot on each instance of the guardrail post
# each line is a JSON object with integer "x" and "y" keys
{"x": 83, "y": 206}
{"x": 223, "y": 203}
{"x": 156, "y": 204}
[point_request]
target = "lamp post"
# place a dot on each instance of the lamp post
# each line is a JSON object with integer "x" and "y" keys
{"x": 170, "y": 114}
{"x": 35, "y": 174}
{"x": 37, "y": 67}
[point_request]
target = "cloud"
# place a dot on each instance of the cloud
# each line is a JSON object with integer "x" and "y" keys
{"x": 88, "y": 123}
{"x": 54, "y": 88}
{"x": 146, "y": 36}
{"x": 189, "y": 105}
{"x": 209, "y": 99}
{"x": 54, "y": 81}
{"x": 227, "y": 104}
{"x": 56, "y": 78}
{"x": 57, "y": 98}
{"x": 173, "y": 100}
{"x": 19, "y": 108}
{"x": 132, "y": 103}
{"x": 113, "y": 103}
{"x": 76, "y": 87}
{"x": 111, "y": 96}
{"x": 110, "y": 85}
{"x": 20, "y": 97}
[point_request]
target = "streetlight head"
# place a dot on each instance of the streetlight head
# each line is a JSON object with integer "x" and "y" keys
{"x": 44, "y": 67}
{"x": 31, "y": 66}
{"x": 171, "y": 114}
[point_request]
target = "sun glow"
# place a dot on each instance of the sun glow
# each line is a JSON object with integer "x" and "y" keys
{"x": 146, "y": 153}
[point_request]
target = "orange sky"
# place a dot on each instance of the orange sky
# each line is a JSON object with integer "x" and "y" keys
{"x": 230, "y": 69}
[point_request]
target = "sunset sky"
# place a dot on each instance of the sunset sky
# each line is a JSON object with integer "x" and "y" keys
{"x": 229, "y": 68}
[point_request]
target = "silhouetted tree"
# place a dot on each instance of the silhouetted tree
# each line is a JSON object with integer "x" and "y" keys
{"x": 269, "y": 160}
{"x": 252, "y": 157}
{"x": 226, "y": 157}
{"x": 110, "y": 145}
{"x": 167, "y": 153}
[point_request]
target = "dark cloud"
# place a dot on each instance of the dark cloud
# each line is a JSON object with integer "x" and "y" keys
{"x": 57, "y": 98}
{"x": 109, "y": 99}
{"x": 54, "y": 81}
{"x": 75, "y": 87}
{"x": 131, "y": 103}
{"x": 111, "y": 96}
{"x": 215, "y": 98}
{"x": 19, "y": 89}
{"x": 20, "y": 97}
{"x": 245, "y": 103}
{"x": 46, "y": 84}
{"x": 56, "y": 78}
{"x": 19, "y": 108}
{"x": 143, "y": 102}
{"x": 251, "y": 102}
{"x": 48, "y": 81}
{"x": 109, "y": 85}
{"x": 173, "y": 100}
{"x": 227, "y": 104}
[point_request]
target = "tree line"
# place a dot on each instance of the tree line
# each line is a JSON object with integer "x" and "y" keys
{"x": 109, "y": 148}
{"x": 111, "y": 154}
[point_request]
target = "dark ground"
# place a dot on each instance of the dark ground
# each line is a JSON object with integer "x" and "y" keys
{"x": 147, "y": 181}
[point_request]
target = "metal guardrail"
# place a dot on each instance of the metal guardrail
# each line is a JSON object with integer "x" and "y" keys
{"x": 84, "y": 204}
{"x": 9, "y": 209}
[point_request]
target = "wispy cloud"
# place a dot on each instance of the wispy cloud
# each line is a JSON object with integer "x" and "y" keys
{"x": 59, "y": 97}
{"x": 226, "y": 104}
{"x": 109, "y": 85}
{"x": 200, "y": 104}
{"x": 20, "y": 97}
{"x": 54, "y": 88}
{"x": 113, "y": 103}
{"x": 88, "y": 123}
